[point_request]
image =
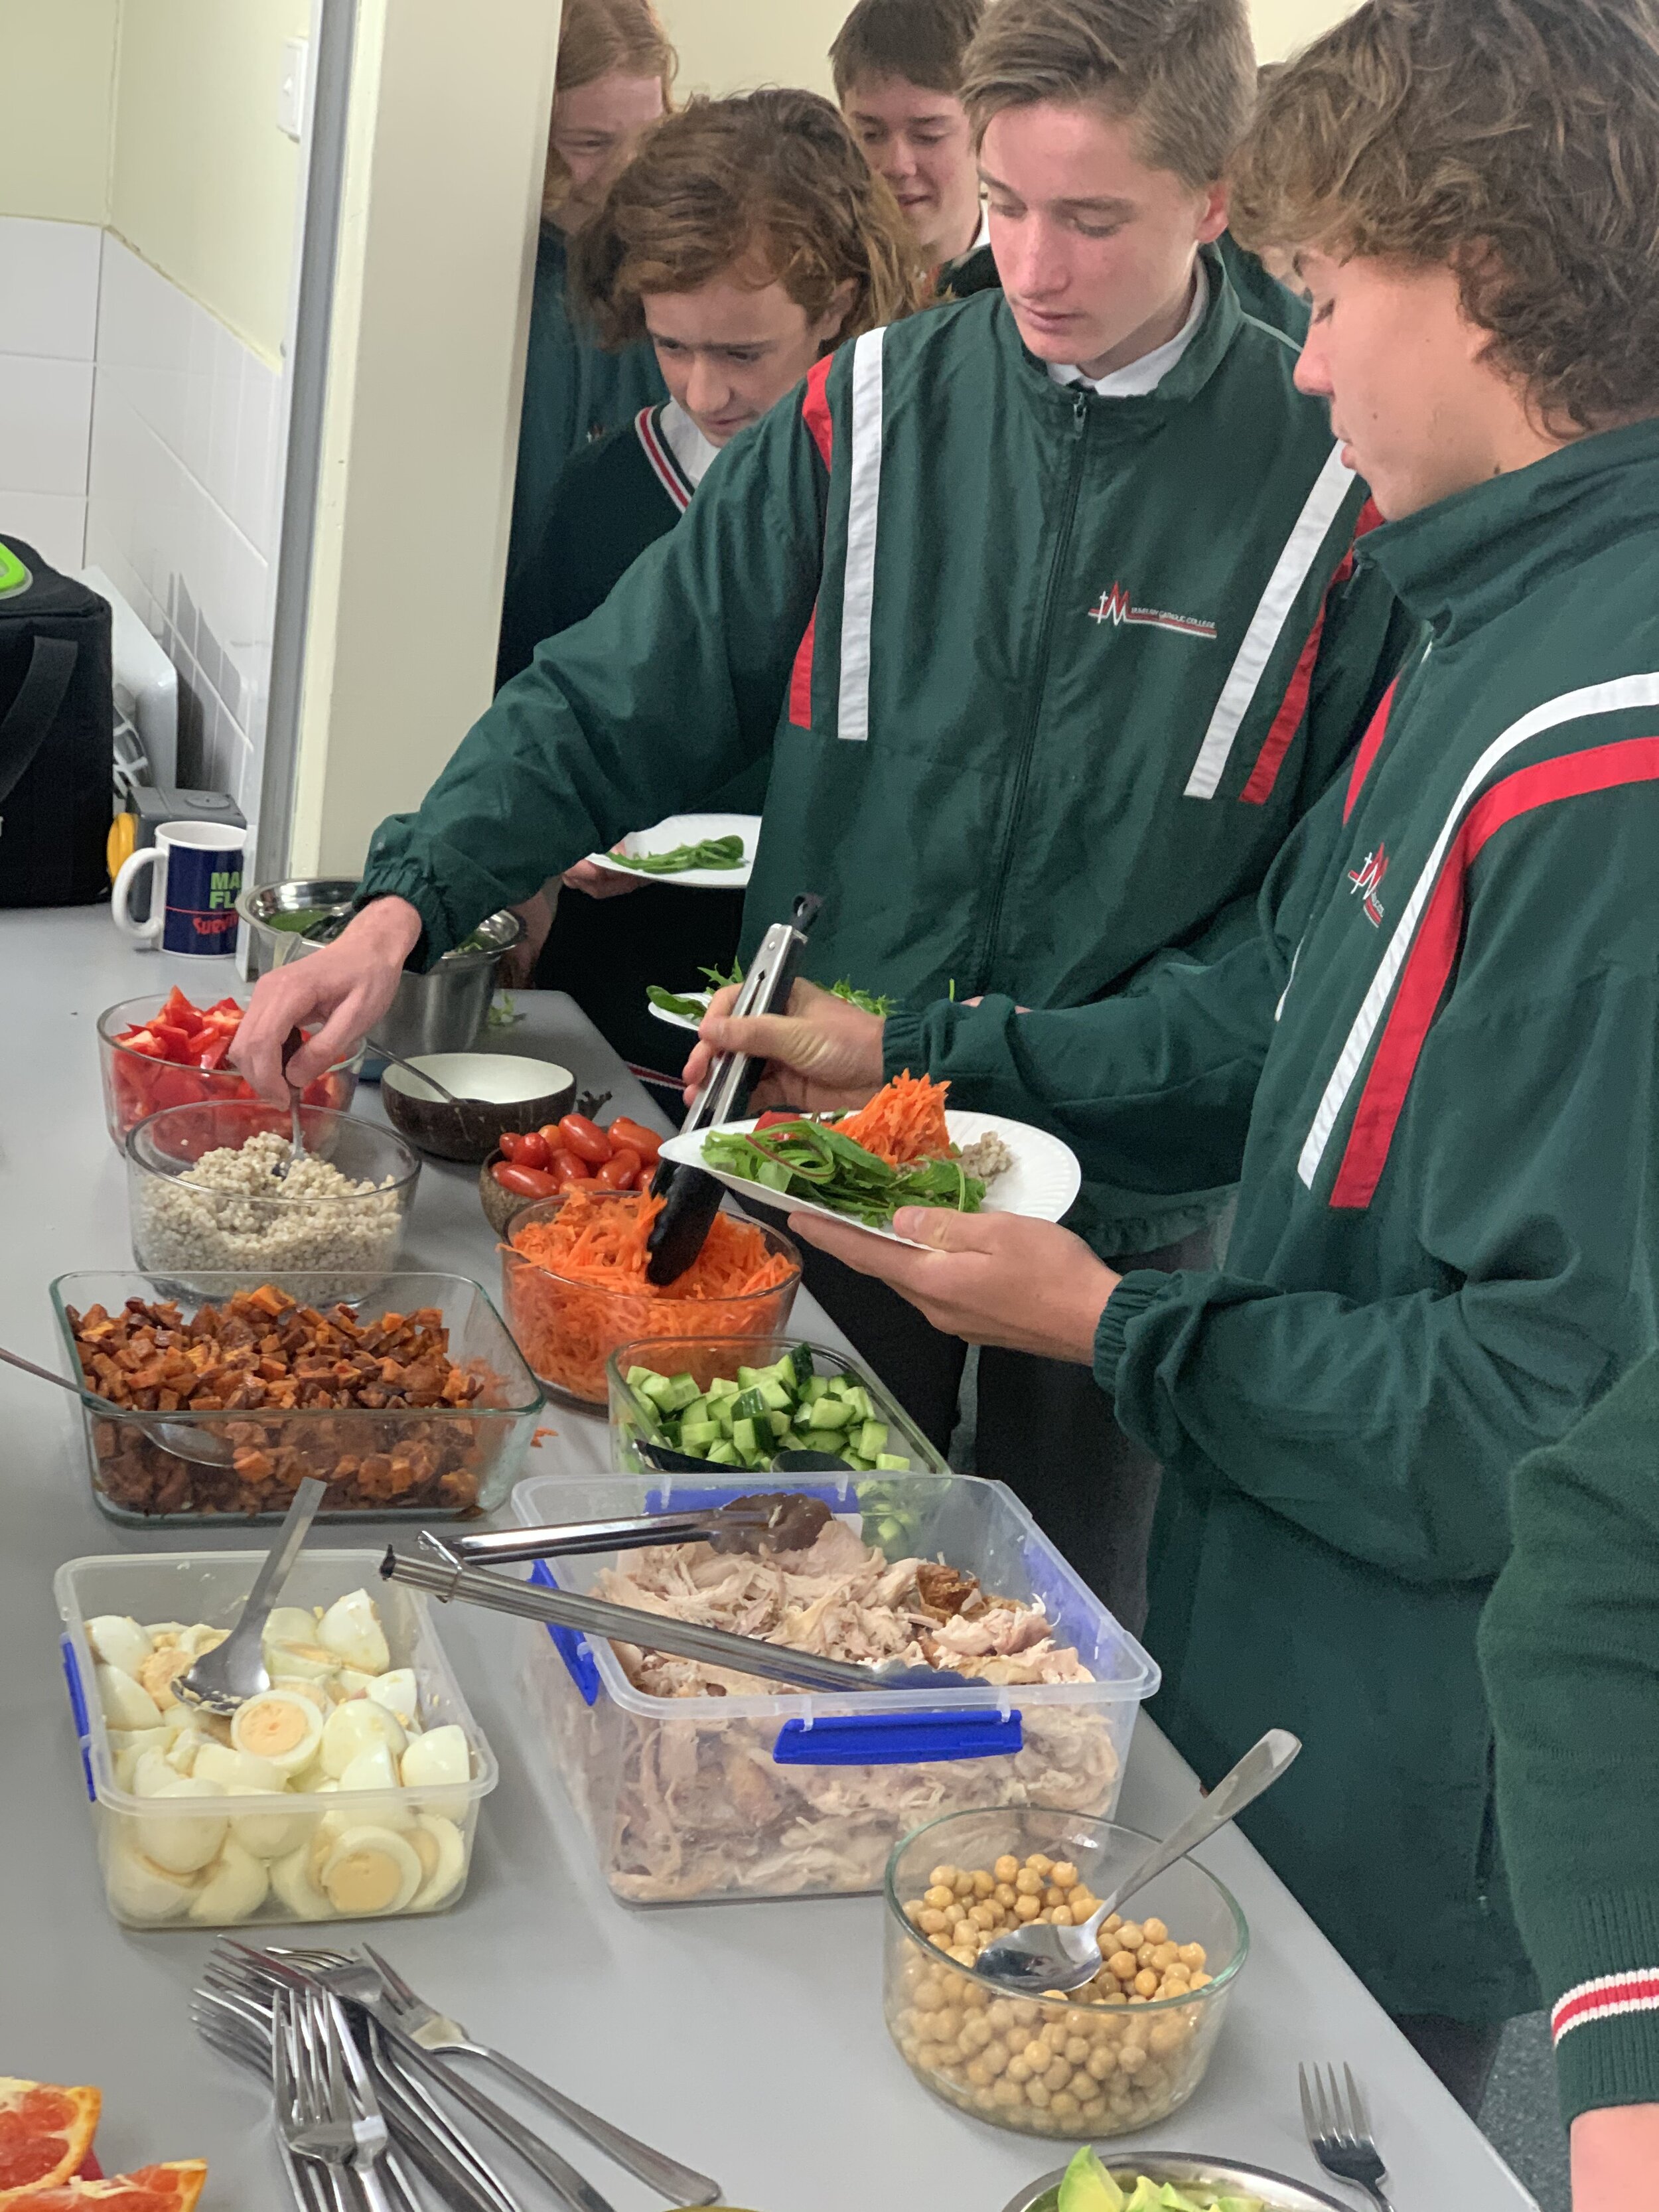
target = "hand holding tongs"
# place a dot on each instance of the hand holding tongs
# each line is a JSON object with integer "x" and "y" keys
{"x": 788, "y": 1522}
{"x": 628, "y": 1624}
{"x": 693, "y": 1198}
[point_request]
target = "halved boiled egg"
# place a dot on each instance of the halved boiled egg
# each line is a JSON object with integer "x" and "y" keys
{"x": 372, "y": 1769}
{"x": 300, "y": 1663}
{"x": 441, "y": 1755}
{"x": 318, "y": 1693}
{"x": 370, "y": 1870}
{"x": 290, "y": 1877}
{"x": 357, "y": 1726}
{"x": 236, "y": 1886}
{"x": 117, "y": 1640}
{"x": 125, "y": 1704}
{"x": 442, "y": 1849}
{"x": 351, "y": 1630}
{"x": 290, "y": 1624}
{"x": 184, "y": 1846}
{"x": 279, "y": 1725}
{"x": 140, "y": 1890}
{"x": 399, "y": 1692}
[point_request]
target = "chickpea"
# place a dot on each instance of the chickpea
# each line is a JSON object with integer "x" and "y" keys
{"x": 1202, "y": 1981}
{"x": 1039, "y": 1862}
{"x": 1165, "y": 1955}
{"x": 939, "y": 1896}
{"x": 1155, "y": 1932}
{"x": 1103, "y": 2062}
{"x": 1061, "y": 1915}
{"x": 1059, "y": 2073}
{"x": 964, "y": 1953}
{"x": 1122, "y": 1965}
{"x": 1136, "y": 1998}
{"x": 1166, "y": 2037}
{"x": 931, "y": 1922}
{"x": 1005, "y": 1893}
{"x": 1113, "y": 1922}
{"x": 994, "y": 2059}
{"x": 1019, "y": 2069}
{"x": 913, "y": 1911}
{"x": 1052, "y": 1897}
{"x": 1131, "y": 2058}
{"x": 1028, "y": 1884}
{"x": 945, "y": 1874}
{"x": 1147, "y": 1983}
{"x": 1007, "y": 2093}
{"x": 1027, "y": 1907}
{"x": 1037, "y": 2055}
{"x": 963, "y": 1886}
{"x": 982, "y": 1915}
{"x": 1037, "y": 2093}
{"x": 954, "y": 1913}
{"x": 1083, "y": 1904}
{"x": 1144, "y": 1956}
{"x": 977, "y": 2074}
{"x": 1131, "y": 1936}
{"x": 1063, "y": 1874}
{"x": 1063, "y": 2104}
{"x": 1006, "y": 1867}
{"x": 983, "y": 1884}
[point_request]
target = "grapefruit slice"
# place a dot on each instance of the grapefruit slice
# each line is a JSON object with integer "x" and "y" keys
{"x": 44, "y": 2134}
{"x": 172, "y": 2188}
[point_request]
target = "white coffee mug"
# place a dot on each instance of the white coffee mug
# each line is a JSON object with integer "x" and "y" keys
{"x": 193, "y": 900}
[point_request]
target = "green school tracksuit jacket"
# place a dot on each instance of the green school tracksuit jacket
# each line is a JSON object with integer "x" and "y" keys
{"x": 1438, "y": 1057}
{"x": 1044, "y": 678}
{"x": 573, "y": 392}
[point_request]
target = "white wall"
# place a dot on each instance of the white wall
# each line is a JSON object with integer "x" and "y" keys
{"x": 57, "y": 84}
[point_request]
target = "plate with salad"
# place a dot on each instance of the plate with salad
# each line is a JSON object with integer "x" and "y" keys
{"x": 1168, "y": 2181}
{"x": 903, "y": 1148}
{"x": 684, "y": 1010}
{"x": 698, "y": 851}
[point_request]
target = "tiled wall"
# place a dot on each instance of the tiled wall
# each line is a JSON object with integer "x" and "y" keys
{"x": 137, "y": 434}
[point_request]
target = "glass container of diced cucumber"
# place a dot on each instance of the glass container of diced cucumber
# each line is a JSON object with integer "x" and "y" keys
{"x": 738, "y": 1402}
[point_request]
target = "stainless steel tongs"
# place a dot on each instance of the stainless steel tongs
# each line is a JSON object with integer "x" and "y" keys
{"x": 692, "y": 1197}
{"x": 685, "y": 1639}
{"x": 784, "y": 1523}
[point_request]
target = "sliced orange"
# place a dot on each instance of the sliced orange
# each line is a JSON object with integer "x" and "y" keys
{"x": 44, "y": 2134}
{"x": 173, "y": 2188}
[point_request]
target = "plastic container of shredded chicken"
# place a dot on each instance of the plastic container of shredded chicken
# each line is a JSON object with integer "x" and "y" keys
{"x": 695, "y": 1785}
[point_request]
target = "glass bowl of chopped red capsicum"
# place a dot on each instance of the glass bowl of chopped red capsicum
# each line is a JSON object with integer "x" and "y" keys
{"x": 177, "y": 1053}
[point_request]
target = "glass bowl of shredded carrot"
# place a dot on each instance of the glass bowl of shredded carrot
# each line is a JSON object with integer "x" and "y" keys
{"x": 574, "y": 1286}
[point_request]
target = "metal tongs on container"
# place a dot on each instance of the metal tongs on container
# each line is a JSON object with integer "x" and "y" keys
{"x": 685, "y": 1639}
{"x": 693, "y": 1198}
{"x": 783, "y": 1523}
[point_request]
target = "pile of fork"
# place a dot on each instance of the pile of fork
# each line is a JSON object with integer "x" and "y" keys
{"x": 362, "y": 2087}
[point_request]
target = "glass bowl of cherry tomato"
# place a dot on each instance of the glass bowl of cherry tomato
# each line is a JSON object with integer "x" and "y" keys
{"x": 178, "y": 1054}
{"x": 546, "y": 1162}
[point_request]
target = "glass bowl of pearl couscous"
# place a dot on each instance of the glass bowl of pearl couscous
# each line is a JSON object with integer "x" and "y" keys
{"x": 1117, "y": 2055}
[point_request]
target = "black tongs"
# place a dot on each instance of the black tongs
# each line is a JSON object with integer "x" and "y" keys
{"x": 692, "y": 1197}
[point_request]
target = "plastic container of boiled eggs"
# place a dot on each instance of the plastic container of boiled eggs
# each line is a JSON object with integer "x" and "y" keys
{"x": 349, "y": 1791}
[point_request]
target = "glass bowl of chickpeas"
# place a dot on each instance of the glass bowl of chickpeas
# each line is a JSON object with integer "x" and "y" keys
{"x": 1118, "y": 2054}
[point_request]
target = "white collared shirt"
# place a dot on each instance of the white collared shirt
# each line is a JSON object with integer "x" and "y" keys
{"x": 1146, "y": 374}
{"x": 687, "y": 443}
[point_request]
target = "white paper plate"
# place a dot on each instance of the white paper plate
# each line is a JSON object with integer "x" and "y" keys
{"x": 1043, "y": 1182}
{"x": 678, "y": 1021}
{"x": 690, "y": 829}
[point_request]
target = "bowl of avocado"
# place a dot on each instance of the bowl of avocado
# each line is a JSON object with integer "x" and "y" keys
{"x": 1168, "y": 2181}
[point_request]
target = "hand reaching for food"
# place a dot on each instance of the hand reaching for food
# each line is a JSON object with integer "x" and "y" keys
{"x": 998, "y": 1278}
{"x": 824, "y": 1054}
{"x": 600, "y": 882}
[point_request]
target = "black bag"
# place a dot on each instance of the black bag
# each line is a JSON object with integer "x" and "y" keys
{"x": 56, "y": 737}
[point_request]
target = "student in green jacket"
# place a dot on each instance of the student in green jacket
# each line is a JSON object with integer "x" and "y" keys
{"x": 744, "y": 242}
{"x": 614, "y": 71}
{"x": 1434, "y": 1063}
{"x": 1043, "y": 609}
{"x": 898, "y": 68}
{"x": 1570, "y": 1650}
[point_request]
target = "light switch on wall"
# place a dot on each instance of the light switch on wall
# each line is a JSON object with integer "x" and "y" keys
{"x": 291, "y": 99}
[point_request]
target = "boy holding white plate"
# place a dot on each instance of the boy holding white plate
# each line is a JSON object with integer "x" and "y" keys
{"x": 1433, "y": 1064}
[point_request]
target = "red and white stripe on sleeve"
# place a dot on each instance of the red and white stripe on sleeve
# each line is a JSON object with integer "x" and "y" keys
{"x": 1610, "y": 1997}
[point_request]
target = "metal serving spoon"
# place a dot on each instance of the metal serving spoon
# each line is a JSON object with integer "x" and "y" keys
{"x": 235, "y": 1671}
{"x": 1044, "y": 1957}
{"x": 175, "y": 1437}
{"x": 397, "y": 1059}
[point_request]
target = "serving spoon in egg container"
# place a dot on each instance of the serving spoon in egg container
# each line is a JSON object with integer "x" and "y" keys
{"x": 784, "y": 1523}
{"x": 224, "y": 1679}
{"x": 1042, "y": 1956}
{"x": 653, "y": 1631}
{"x": 181, "y": 1438}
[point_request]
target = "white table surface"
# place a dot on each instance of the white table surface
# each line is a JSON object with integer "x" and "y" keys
{"x": 747, "y": 2039}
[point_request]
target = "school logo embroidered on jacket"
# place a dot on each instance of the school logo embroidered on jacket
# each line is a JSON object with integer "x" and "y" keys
{"x": 1367, "y": 881}
{"x": 1116, "y": 606}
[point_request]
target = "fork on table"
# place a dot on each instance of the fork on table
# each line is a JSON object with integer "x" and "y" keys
{"x": 326, "y": 2110}
{"x": 1339, "y": 2131}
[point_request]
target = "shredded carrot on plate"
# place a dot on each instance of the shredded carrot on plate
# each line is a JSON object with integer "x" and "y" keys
{"x": 585, "y": 1290}
{"x": 903, "y": 1122}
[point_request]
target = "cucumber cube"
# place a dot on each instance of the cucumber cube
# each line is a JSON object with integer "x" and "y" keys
{"x": 891, "y": 1463}
{"x": 871, "y": 1439}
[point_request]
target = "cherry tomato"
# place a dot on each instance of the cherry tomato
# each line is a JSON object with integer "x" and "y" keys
{"x": 509, "y": 1144}
{"x": 567, "y": 1169}
{"x": 636, "y": 1138}
{"x": 585, "y": 1139}
{"x": 533, "y": 1150}
{"x": 525, "y": 1183}
{"x": 619, "y": 1171}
